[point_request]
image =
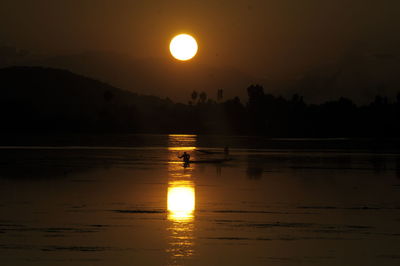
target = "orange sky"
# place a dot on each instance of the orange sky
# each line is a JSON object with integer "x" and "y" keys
{"x": 263, "y": 38}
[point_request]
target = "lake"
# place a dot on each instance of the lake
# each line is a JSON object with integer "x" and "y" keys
{"x": 131, "y": 201}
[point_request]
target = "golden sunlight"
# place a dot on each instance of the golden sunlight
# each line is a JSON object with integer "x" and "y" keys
{"x": 183, "y": 47}
{"x": 181, "y": 200}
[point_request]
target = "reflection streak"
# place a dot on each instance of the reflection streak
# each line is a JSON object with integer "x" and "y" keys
{"x": 180, "y": 202}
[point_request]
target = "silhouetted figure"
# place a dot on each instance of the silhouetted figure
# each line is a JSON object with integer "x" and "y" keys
{"x": 186, "y": 165}
{"x": 186, "y": 157}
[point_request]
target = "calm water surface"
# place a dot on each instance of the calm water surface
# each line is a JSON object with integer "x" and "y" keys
{"x": 122, "y": 205}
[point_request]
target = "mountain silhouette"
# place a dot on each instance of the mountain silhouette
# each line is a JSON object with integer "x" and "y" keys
{"x": 54, "y": 101}
{"x": 159, "y": 77}
{"x": 358, "y": 77}
{"x": 45, "y": 99}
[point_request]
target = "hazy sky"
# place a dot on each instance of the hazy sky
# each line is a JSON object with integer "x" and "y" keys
{"x": 260, "y": 37}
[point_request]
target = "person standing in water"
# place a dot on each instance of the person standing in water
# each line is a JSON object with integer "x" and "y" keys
{"x": 185, "y": 156}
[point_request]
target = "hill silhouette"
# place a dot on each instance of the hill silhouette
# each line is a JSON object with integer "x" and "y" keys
{"x": 151, "y": 76}
{"x": 356, "y": 76}
{"x": 44, "y": 99}
{"x": 38, "y": 100}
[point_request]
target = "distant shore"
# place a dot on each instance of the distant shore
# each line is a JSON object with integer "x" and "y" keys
{"x": 389, "y": 145}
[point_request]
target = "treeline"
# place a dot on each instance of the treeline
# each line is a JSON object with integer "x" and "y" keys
{"x": 275, "y": 116}
{"x": 38, "y": 100}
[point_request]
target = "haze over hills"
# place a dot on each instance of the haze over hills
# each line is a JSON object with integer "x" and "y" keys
{"x": 360, "y": 78}
{"x": 162, "y": 78}
{"x": 38, "y": 100}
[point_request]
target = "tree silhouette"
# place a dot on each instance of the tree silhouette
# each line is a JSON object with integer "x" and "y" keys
{"x": 203, "y": 97}
{"x": 255, "y": 92}
{"x": 194, "y": 96}
{"x": 220, "y": 95}
{"x": 41, "y": 100}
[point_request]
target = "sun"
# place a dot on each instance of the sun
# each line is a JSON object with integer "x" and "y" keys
{"x": 183, "y": 47}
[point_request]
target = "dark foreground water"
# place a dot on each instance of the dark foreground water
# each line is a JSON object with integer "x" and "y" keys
{"x": 138, "y": 205}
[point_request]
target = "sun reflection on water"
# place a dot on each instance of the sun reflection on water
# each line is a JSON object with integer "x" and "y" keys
{"x": 181, "y": 206}
{"x": 181, "y": 202}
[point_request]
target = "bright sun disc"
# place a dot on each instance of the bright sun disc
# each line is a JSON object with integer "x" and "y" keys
{"x": 183, "y": 47}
